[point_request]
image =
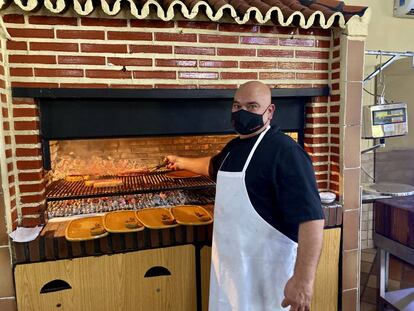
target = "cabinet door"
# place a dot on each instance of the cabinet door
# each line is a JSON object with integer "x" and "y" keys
{"x": 160, "y": 280}
{"x": 325, "y": 296}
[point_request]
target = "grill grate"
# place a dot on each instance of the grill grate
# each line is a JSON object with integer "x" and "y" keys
{"x": 157, "y": 181}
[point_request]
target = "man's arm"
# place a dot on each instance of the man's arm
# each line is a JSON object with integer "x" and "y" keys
{"x": 196, "y": 165}
{"x": 299, "y": 289}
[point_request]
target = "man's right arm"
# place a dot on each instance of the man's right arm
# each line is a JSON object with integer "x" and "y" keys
{"x": 196, "y": 165}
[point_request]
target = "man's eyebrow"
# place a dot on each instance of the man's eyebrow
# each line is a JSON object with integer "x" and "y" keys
{"x": 236, "y": 102}
{"x": 252, "y": 103}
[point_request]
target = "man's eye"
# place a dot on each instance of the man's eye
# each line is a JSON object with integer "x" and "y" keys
{"x": 252, "y": 107}
{"x": 236, "y": 106}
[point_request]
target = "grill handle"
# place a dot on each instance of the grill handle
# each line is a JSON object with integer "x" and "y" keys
{"x": 55, "y": 286}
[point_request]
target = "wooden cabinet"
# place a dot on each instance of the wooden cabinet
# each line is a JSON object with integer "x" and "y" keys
{"x": 325, "y": 296}
{"x": 159, "y": 279}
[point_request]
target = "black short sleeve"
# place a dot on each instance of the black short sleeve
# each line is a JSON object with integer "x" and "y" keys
{"x": 298, "y": 191}
{"x": 218, "y": 159}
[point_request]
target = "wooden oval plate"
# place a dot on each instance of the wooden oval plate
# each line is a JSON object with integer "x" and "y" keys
{"x": 156, "y": 218}
{"x": 85, "y": 228}
{"x": 122, "y": 222}
{"x": 182, "y": 174}
{"x": 192, "y": 215}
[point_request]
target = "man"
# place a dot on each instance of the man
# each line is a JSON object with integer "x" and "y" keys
{"x": 268, "y": 219}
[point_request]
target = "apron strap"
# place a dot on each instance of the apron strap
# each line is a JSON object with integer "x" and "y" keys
{"x": 262, "y": 134}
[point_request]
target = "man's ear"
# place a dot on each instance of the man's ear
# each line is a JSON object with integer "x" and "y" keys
{"x": 271, "y": 110}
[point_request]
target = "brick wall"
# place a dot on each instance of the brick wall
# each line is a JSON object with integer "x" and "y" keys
{"x": 69, "y": 52}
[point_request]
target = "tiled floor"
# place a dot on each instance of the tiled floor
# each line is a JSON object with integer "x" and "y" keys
{"x": 401, "y": 275}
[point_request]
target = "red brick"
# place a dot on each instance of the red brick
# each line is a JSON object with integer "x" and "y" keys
{"x": 335, "y": 149}
{"x": 32, "y": 187}
{"x": 335, "y": 86}
{"x": 85, "y": 21}
{"x": 8, "y": 153}
{"x": 31, "y": 33}
{"x": 3, "y": 98}
{"x": 2, "y": 84}
{"x": 197, "y": 25}
{"x": 53, "y": 20}
{"x": 11, "y": 179}
{"x": 21, "y": 72}
{"x": 29, "y": 165}
{"x": 198, "y": 75}
{"x": 7, "y": 140}
{"x": 322, "y": 44}
{"x": 335, "y": 75}
{"x": 12, "y": 191}
{"x": 82, "y": 60}
{"x": 14, "y": 18}
{"x": 32, "y": 59}
{"x": 317, "y": 120}
{"x": 83, "y": 85}
{"x": 129, "y": 61}
{"x": 235, "y": 52}
{"x": 312, "y": 76}
{"x": 10, "y": 167}
{"x": 312, "y": 54}
{"x": 335, "y": 54}
{"x": 217, "y": 39}
{"x": 321, "y": 66}
{"x": 258, "y": 65}
{"x": 321, "y": 168}
{"x": 28, "y": 152}
{"x": 103, "y": 48}
{"x": 160, "y": 49}
{"x": 32, "y": 210}
{"x": 15, "y": 45}
{"x": 26, "y": 125}
{"x": 334, "y": 120}
{"x": 27, "y": 139}
{"x": 323, "y": 158}
{"x": 296, "y": 42}
{"x": 175, "y": 86}
{"x": 238, "y": 28}
{"x": 276, "y": 75}
{"x": 312, "y": 110}
{"x": 335, "y": 65}
{"x": 80, "y": 34}
{"x": 335, "y": 158}
{"x": 274, "y": 53}
{"x": 32, "y": 222}
{"x": 334, "y": 108}
{"x": 295, "y": 65}
{"x": 154, "y": 74}
{"x": 178, "y": 37}
{"x": 317, "y": 130}
{"x": 337, "y": 41}
{"x": 175, "y": 63}
{"x": 194, "y": 50}
{"x": 218, "y": 86}
{"x": 105, "y": 74}
{"x": 335, "y": 98}
{"x": 45, "y": 72}
{"x": 131, "y": 86}
{"x": 217, "y": 64}
{"x": 259, "y": 40}
{"x": 6, "y": 125}
{"x": 52, "y": 46}
{"x": 129, "y": 35}
{"x": 278, "y": 30}
{"x": 5, "y": 112}
{"x": 23, "y": 101}
{"x": 315, "y": 32}
{"x": 147, "y": 23}
{"x": 14, "y": 212}
{"x": 334, "y": 140}
{"x": 238, "y": 75}
{"x": 30, "y": 176}
{"x": 335, "y": 130}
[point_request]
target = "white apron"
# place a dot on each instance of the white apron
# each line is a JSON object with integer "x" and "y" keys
{"x": 251, "y": 260}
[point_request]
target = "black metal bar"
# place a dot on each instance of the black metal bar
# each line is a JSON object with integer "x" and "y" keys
{"x": 155, "y": 93}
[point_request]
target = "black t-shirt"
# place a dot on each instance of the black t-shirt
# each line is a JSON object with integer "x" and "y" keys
{"x": 280, "y": 179}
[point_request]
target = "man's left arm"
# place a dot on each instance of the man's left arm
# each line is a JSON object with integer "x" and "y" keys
{"x": 299, "y": 289}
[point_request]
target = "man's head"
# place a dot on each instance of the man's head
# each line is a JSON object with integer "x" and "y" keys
{"x": 255, "y": 98}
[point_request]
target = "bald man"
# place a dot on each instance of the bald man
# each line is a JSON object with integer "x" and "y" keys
{"x": 268, "y": 219}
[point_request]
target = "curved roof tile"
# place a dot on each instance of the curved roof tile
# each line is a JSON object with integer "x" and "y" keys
{"x": 303, "y": 13}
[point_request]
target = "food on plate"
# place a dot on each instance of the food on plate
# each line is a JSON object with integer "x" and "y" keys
{"x": 131, "y": 223}
{"x": 167, "y": 220}
{"x": 97, "y": 230}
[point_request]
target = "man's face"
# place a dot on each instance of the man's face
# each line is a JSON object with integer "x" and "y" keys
{"x": 254, "y": 99}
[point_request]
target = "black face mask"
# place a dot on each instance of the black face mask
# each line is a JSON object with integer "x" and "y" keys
{"x": 245, "y": 122}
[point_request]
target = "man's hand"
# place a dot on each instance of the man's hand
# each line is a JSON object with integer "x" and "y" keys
{"x": 173, "y": 162}
{"x": 298, "y": 294}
